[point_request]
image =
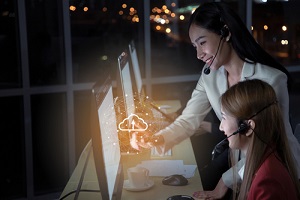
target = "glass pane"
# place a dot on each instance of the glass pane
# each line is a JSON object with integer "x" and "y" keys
{"x": 10, "y": 70}
{"x": 45, "y": 43}
{"x": 82, "y": 115}
{"x": 12, "y": 148}
{"x": 49, "y": 128}
{"x": 172, "y": 52}
{"x": 174, "y": 91}
{"x": 276, "y": 26}
{"x": 100, "y": 31}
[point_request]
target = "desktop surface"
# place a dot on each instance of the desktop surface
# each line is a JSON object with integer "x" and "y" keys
{"x": 158, "y": 191}
{"x": 161, "y": 191}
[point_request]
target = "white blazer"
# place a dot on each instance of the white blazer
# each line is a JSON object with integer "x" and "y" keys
{"x": 206, "y": 96}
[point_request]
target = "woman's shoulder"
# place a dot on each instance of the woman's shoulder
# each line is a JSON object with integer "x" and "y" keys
{"x": 264, "y": 72}
{"x": 268, "y": 68}
{"x": 271, "y": 168}
{"x": 272, "y": 180}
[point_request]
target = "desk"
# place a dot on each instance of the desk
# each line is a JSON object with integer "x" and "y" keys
{"x": 175, "y": 105}
{"x": 182, "y": 151}
{"x": 162, "y": 192}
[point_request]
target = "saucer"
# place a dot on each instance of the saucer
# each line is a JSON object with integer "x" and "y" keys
{"x": 129, "y": 187}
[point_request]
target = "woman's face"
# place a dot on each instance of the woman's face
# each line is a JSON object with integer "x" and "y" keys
{"x": 229, "y": 125}
{"x": 206, "y": 44}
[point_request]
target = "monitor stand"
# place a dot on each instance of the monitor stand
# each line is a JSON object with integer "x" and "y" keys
{"x": 83, "y": 173}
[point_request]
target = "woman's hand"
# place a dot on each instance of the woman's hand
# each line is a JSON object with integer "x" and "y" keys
{"x": 144, "y": 141}
{"x": 217, "y": 193}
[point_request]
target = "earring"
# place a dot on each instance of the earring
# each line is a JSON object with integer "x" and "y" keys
{"x": 227, "y": 39}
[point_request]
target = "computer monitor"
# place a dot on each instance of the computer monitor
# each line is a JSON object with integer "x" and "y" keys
{"x": 125, "y": 100}
{"x": 140, "y": 93}
{"x": 136, "y": 69}
{"x": 132, "y": 102}
{"x": 124, "y": 83}
{"x": 105, "y": 141}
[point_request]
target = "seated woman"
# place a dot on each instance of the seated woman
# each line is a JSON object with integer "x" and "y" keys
{"x": 252, "y": 122}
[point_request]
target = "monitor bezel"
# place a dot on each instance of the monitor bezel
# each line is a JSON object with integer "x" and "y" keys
{"x": 99, "y": 91}
{"x": 123, "y": 62}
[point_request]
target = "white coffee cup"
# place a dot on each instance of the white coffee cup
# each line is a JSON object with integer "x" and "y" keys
{"x": 138, "y": 176}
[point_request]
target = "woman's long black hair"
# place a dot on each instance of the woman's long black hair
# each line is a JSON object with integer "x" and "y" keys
{"x": 214, "y": 16}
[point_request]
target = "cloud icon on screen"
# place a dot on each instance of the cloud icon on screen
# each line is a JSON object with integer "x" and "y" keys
{"x": 133, "y": 123}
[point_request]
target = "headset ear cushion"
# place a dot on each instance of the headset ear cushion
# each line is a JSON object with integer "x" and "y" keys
{"x": 243, "y": 127}
{"x": 224, "y": 32}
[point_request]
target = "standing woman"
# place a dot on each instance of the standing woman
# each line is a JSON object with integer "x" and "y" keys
{"x": 269, "y": 171}
{"x": 231, "y": 55}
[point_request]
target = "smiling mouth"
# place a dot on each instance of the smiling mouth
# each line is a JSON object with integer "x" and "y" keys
{"x": 209, "y": 60}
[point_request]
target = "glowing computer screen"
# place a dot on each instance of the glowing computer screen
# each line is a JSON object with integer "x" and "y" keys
{"x": 126, "y": 83}
{"x": 106, "y": 147}
{"x": 136, "y": 68}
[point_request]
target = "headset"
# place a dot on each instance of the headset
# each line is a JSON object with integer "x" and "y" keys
{"x": 243, "y": 127}
{"x": 224, "y": 32}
